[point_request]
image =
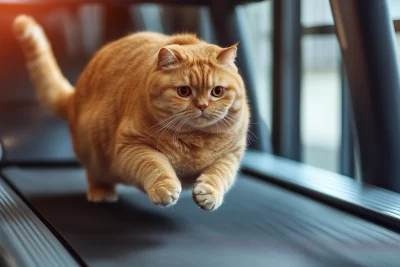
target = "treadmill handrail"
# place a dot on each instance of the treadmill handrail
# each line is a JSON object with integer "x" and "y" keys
{"x": 367, "y": 201}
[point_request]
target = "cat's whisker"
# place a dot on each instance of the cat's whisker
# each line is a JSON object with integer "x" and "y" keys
{"x": 179, "y": 129}
{"x": 176, "y": 130}
{"x": 166, "y": 125}
{"x": 182, "y": 126}
{"x": 249, "y": 139}
{"x": 166, "y": 120}
{"x": 231, "y": 117}
{"x": 218, "y": 124}
{"x": 220, "y": 127}
{"x": 177, "y": 119}
{"x": 172, "y": 125}
{"x": 225, "y": 127}
{"x": 234, "y": 119}
{"x": 227, "y": 122}
{"x": 181, "y": 122}
{"x": 252, "y": 134}
{"x": 160, "y": 137}
{"x": 161, "y": 122}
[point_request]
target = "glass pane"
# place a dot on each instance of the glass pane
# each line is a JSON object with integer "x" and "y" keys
{"x": 259, "y": 23}
{"x": 321, "y": 101}
{"x": 316, "y": 12}
{"x": 394, "y": 8}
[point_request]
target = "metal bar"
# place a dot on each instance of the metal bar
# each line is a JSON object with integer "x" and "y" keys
{"x": 147, "y": 18}
{"x": 117, "y": 23}
{"x": 319, "y": 30}
{"x": 286, "y": 79}
{"x": 366, "y": 35}
{"x": 368, "y": 202}
{"x": 58, "y": 3}
{"x": 29, "y": 239}
{"x": 330, "y": 29}
{"x": 182, "y": 18}
{"x": 206, "y": 31}
{"x": 346, "y": 159}
{"x": 396, "y": 24}
{"x": 229, "y": 24}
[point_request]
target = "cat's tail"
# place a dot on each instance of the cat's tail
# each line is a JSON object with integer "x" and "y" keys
{"x": 52, "y": 88}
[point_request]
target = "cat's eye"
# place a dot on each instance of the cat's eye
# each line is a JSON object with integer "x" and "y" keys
{"x": 184, "y": 91}
{"x": 217, "y": 91}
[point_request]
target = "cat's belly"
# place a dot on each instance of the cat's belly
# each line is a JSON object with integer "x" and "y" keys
{"x": 192, "y": 154}
{"x": 187, "y": 173}
{"x": 190, "y": 165}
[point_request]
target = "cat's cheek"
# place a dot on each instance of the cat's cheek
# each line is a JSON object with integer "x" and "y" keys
{"x": 236, "y": 105}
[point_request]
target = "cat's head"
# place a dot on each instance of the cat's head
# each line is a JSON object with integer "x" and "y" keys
{"x": 196, "y": 87}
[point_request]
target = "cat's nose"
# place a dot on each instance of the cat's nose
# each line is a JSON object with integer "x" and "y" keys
{"x": 202, "y": 107}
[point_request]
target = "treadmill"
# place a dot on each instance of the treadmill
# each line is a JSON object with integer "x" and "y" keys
{"x": 281, "y": 212}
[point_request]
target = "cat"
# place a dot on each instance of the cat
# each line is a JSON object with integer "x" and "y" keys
{"x": 149, "y": 110}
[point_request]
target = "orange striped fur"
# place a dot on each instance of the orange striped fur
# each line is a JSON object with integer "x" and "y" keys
{"x": 130, "y": 122}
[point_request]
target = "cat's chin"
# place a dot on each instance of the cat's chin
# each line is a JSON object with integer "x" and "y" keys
{"x": 204, "y": 124}
{"x": 202, "y": 121}
{"x": 200, "y": 125}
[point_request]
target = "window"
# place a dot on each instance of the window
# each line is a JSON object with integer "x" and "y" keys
{"x": 394, "y": 7}
{"x": 259, "y": 20}
{"x": 321, "y": 94}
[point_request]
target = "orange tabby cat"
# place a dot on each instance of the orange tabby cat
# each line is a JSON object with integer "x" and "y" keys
{"x": 154, "y": 111}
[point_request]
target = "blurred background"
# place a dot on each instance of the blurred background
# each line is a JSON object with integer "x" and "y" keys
{"x": 78, "y": 32}
{"x": 321, "y": 78}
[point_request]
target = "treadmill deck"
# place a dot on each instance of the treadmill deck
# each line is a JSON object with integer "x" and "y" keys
{"x": 258, "y": 225}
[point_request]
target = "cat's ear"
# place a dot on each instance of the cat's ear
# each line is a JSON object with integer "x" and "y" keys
{"x": 166, "y": 58}
{"x": 227, "y": 55}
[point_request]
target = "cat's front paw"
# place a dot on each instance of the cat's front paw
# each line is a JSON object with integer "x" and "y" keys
{"x": 206, "y": 195}
{"x": 165, "y": 192}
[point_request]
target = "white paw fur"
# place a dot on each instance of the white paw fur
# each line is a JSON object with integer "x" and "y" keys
{"x": 165, "y": 193}
{"x": 206, "y": 196}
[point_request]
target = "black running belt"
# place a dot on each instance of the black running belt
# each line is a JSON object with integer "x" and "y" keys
{"x": 30, "y": 134}
{"x": 258, "y": 225}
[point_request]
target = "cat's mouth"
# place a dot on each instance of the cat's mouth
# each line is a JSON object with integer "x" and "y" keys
{"x": 202, "y": 120}
{"x": 202, "y": 116}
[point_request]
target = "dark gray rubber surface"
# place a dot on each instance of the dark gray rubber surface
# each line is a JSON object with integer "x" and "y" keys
{"x": 29, "y": 134}
{"x": 259, "y": 225}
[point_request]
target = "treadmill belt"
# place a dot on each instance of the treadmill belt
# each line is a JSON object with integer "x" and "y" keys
{"x": 30, "y": 134}
{"x": 258, "y": 225}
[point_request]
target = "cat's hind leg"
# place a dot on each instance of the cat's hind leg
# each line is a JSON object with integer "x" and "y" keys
{"x": 99, "y": 191}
